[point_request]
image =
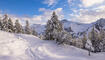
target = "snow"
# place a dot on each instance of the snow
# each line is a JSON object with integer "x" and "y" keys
{"x": 38, "y": 28}
{"x": 76, "y": 27}
{"x": 28, "y": 47}
{"x": 79, "y": 28}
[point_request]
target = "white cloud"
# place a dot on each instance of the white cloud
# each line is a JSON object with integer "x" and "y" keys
{"x": 59, "y": 12}
{"x": 50, "y": 2}
{"x": 101, "y": 7}
{"x": 42, "y": 19}
{"x": 88, "y": 16}
{"x": 47, "y": 14}
{"x": 42, "y": 9}
{"x": 89, "y": 3}
{"x": 69, "y": 1}
{"x": 89, "y": 11}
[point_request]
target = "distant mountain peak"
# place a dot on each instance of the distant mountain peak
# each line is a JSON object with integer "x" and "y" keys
{"x": 64, "y": 20}
{"x": 101, "y": 22}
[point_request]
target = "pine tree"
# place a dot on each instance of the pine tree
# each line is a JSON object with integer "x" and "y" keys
{"x": 68, "y": 39}
{"x": 10, "y": 25}
{"x": 0, "y": 24}
{"x": 79, "y": 43}
{"x": 84, "y": 40}
{"x": 53, "y": 27}
{"x": 5, "y": 23}
{"x": 27, "y": 28}
{"x": 34, "y": 33}
{"x": 41, "y": 36}
{"x": 18, "y": 27}
{"x": 64, "y": 38}
{"x": 94, "y": 37}
{"x": 102, "y": 38}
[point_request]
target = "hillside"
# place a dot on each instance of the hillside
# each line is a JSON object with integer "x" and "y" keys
{"x": 28, "y": 47}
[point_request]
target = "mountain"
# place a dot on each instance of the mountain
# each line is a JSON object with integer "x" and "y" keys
{"x": 74, "y": 27}
{"x": 39, "y": 28}
{"x": 100, "y": 22}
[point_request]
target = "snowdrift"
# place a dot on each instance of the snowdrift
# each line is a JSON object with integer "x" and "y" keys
{"x": 28, "y": 47}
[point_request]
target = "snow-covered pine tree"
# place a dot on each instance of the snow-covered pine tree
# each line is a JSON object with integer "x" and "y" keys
{"x": 79, "y": 43}
{"x": 10, "y": 25}
{"x": 64, "y": 38}
{"x": 102, "y": 38}
{"x": 18, "y": 27}
{"x": 53, "y": 27}
{"x": 0, "y": 24}
{"x": 84, "y": 40}
{"x": 68, "y": 38}
{"x": 41, "y": 36}
{"x": 27, "y": 28}
{"x": 5, "y": 23}
{"x": 34, "y": 32}
{"x": 94, "y": 37}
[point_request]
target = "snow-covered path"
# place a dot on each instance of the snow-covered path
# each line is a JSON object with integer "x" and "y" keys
{"x": 49, "y": 50}
{"x": 28, "y": 47}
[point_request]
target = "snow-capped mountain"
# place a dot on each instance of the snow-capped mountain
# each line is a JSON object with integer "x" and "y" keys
{"x": 100, "y": 22}
{"x": 75, "y": 27}
{"x": 68, "y": 26}
{"x": 38, "y": 27}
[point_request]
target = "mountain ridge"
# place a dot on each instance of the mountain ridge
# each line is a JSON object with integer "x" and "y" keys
{"x": 73, "y": 27}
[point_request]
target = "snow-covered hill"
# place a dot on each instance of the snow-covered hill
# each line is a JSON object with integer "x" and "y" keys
{"x": 28, "y": 47}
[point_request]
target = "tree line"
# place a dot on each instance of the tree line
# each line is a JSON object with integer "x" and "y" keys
{"x": 7, "y": 25}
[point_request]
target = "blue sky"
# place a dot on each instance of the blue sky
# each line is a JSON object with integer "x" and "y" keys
{"x": 39, "y": 11}
{"x": 31, "y": 7}
{"x": 21, "y": 7}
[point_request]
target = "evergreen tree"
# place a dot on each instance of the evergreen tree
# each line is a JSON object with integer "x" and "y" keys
{"x": 79, "y": 43}
{"x": 53, "y": 27}
{"x": 94, "y": 37}
{"x": 102, "y": 38}
{"x": 27, "y": 28}
{"x": 34, "y": 33}
{"x": 41, "y": 36}
{"x": 84, "y": 40}
{"x": 64, "y": 38}
{"x": 18, "y": 27}
{"x": 0, "y": 24}
{"x": 10, "y": 25}
{"x": 5, "y": 23}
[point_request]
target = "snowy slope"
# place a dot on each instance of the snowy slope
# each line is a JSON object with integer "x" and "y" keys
{"x": 76, "y": 27}
{"x": 12, "y": 47}
{"x": 28, "y": 47}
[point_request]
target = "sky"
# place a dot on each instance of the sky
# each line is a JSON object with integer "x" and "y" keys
{"x": 39, "y": 11}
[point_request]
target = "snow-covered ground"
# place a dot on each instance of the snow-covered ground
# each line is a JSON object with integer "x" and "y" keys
{"x": 28, "y": 47}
